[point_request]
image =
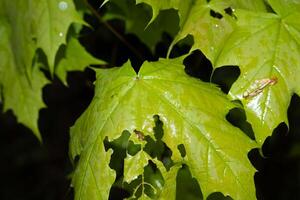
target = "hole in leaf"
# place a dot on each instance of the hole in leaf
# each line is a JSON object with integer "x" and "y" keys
{"x": 118, "y": 192}
{"x": 197, "y": 65}
{"x": 151, "y": 180}
{"x": 182, "y": 47}
{"x": 76, "y": 160}
{"x": 215, "y": 14}
{"x": 230, "y": 12}
{"x": 158, "y": 128}
{"x": 218, "y": 196}
{"x": 150, "y": 183}
{"x": 133, "y": 186}
{"x": 225, "y": 77}
{"x": 237, "y": 118}
{"x": 187, "y": 187}
{"x": 133, "y": 149}
{"x": 181, "y": 149}
{"x": 119, "y": 147}
{"x": 158, "y": 149}
{"x": 153, "y": 176}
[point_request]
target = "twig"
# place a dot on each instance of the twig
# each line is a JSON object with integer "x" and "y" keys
{"x": 120, "y": 37}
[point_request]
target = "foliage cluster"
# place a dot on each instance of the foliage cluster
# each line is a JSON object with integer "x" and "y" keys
{"x": 151, "y": 126}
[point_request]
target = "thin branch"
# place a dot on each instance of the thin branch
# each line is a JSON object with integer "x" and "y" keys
{"x": 111, "y": 29}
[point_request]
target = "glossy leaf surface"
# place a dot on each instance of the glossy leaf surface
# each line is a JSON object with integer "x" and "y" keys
{"x": 193, "y": 114}
{"x": 266, "y": 47}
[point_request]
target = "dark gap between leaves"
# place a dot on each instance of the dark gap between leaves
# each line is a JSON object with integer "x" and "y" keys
{"x": 96, "y": 39}
{"x": 162, "y": 47}
{"x": 198, "y": 66}
{"x": 225, "y": 76}
{"x": 41, "y": 171}
{"x": 182, "y": 47}
{"x": 279, "y": 166}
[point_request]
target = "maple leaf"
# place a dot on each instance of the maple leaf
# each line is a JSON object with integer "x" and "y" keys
{"x": 193, "y": 114}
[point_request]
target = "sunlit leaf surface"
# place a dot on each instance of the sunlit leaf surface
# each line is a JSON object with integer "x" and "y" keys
{"x": 192, "y": 113}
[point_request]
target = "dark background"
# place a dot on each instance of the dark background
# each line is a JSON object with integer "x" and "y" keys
{"x": 31, "y": 170}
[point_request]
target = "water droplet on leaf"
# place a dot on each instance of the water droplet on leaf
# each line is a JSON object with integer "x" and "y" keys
{"x": 62, "y": 5}
{"x": 61, "y": 34}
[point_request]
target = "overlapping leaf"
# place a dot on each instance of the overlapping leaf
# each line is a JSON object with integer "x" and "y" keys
{"x": 57, "y": 15}
{"x": 76, "y": 58}
{"x": 26, "y": 26}
{"x": 45, "y": 23}
{"x": 266, "y": 47}
{"x": 21, "y": 93}
{"x": 195, "y": 19}
{"x": 137, "y": 17}
{"x": 183, "y": 7}
{"x": 193, "y": 114}
{"x": 209, "y": 33}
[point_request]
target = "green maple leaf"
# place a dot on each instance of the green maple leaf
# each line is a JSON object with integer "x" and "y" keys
{"x": 76, "y": 59}
{"x": 195, "y": 19}
{"x": 266, "y": 47}
{"x": 210, "y": 33}
{"x": 137, "y": 17}
{"x": 157, "y": 5}
{"x": 193, "y": 114}
{"x": 40, "y": 24}
{"x": 16, "y": 16}
{"x": 254, "y": 5}
{"x": 57, "y": 15}
{"x": 20, "y": 93}
{"x": 26, "y": 26}
{"x": 185, "y": 7}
